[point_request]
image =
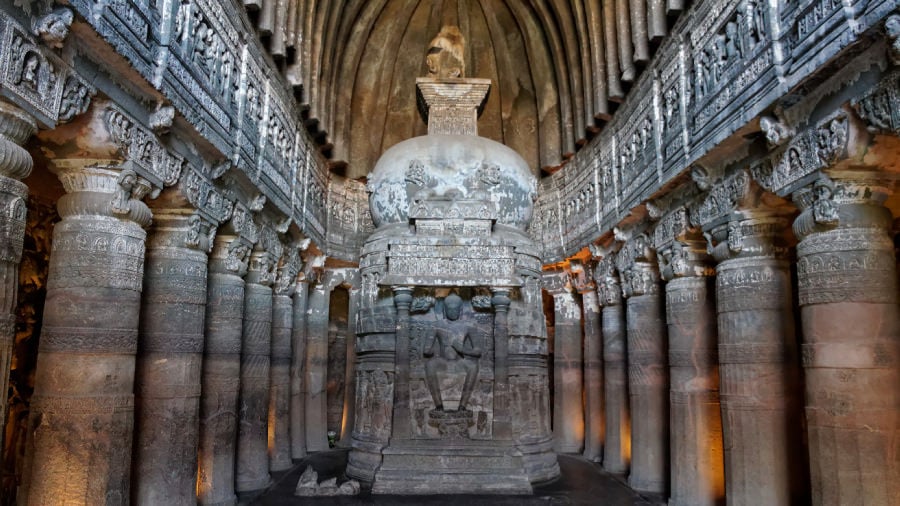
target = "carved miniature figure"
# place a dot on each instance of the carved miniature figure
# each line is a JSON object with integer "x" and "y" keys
{"x": 452, "y": 344}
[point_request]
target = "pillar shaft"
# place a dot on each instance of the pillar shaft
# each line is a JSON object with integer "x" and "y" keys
{"x": 298, "y": 371}
{"x": 502, "y": 428}
{"x": 851, "y": 326}
{"x": 170, "y": 352}
{"x": 617, "y": 444}
{"x": 82, "y": 411}
{"x": 758, "y": 368}
{"x": 649, "y": 391}
{"x": 350, "y": 372}
{"x": 279, "y": 390}
{"x": 402, "y": 300}
{"x": 317, "y": 369}
{"x": 256, "y": 353}
{"x": 698, "y": 475}
{"x": 15, "y": 164}
{"x": 221, "y": 372}
{"x": 593, "y": 377}
{"x": 568, "y": 406}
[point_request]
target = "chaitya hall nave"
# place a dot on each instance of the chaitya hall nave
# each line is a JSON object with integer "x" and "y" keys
{"x": 452, "y": 245}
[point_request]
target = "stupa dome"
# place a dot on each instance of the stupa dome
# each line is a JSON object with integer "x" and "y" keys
{"x": 451, "y": 167}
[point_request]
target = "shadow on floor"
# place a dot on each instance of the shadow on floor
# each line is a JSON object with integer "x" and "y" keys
{"x": 582, "y": 484}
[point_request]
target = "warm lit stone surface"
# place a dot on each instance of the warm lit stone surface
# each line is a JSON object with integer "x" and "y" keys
{"x": 847, "y": 281}
{"x": 568, "y": 407}
{"x": 221, "y": 371}
{"x": 256, "y": 352}
{"x": 697, "y": 467}
{"x": 170, "y": 351}
{"x": 82, "y": 412}
{"x": 593, "y": 377}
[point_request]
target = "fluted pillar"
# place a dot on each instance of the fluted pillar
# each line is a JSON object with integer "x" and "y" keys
{"x": 221, "y": 370}
{"x": 697, "y": 476}
{"x": 847, "y": 277}
{"x": 15, "y": 164}
{"x": 170, "y": 352}
{"x": 280, "y": 384}
{"x": 317, "y": 368}
{"x": 648, "y": 382}
{"x": 593, "y": 362}
{"x": 617, "y": 441}
{"x": 568, "y": 407}
{"x": 298, "y": 369}
{"x": 82, "y": 411}
{"x": 758, "y": 363}
{"x": 256, "y": 352}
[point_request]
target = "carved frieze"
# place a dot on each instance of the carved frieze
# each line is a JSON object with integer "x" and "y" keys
{"x": 204, "y": 196}
{"x": 880, "y": 107}
{"x": 140, "y": 146}
{"x": 36, "y": 79}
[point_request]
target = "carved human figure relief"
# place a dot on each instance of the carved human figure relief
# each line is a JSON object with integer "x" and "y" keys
{"x": 451, "y": 345}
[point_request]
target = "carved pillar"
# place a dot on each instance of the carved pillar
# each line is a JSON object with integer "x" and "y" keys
{"x": 617, "y": 441}
{"x": 350, "y": 372}
{"x": 15, "y": 164}
{"x": 170, "y": 352}
{"x": 317, "y": 368}
{"x": 648, "y": 382}
{"x": 221, "y": 370}
{"x": 256, "y": 351}
{"x": 82, "y": 411}
{"x": 298, "y": 370}
{"x": 402, "y": 301}
{"x": 280, "y": 382}
{"x": 502, "y": 418}
{"x": 759, "y": 373}
{"x": 698, "y": 475}
{"x": 611, "y": 44}
{"x": 847, "y": 279}
{"x": 593, "y": 362}
{"x": 568, "y": 407}
{"x": 626, "y": 48}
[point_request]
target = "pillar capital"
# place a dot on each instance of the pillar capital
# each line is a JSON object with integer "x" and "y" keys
{"x": 681, "y": 247}
{"x": 606, "y": 275}
{"x": 557, "y": 282}
{"x": 288, "y": 272}
{"x": 844, "y": 199}
{"x": 264, "y": 258}
{"x": 16, "y": 126}
{"x": 581, "y": 276}
{"x": 402, "y": 297}
{"x": 109, "y": 188}
{"x": 637, "y": 266}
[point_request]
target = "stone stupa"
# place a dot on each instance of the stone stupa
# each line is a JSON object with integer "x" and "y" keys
{"x": 451, "y": 379}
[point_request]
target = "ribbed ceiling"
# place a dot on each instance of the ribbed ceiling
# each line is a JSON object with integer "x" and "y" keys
{"x": 360, "y": 59}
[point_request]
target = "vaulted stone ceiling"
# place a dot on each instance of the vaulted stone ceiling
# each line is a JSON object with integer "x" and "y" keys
{"x": 358, "y": 64}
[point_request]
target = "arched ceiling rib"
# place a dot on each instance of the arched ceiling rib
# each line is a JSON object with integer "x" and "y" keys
{"x": 554, "y": 64}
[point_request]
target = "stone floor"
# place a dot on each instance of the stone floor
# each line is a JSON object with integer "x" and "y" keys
{"x": 582, "y": 483}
